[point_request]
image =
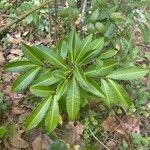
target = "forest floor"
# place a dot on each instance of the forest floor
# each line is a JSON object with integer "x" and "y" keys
{"x": 16, "y": 107}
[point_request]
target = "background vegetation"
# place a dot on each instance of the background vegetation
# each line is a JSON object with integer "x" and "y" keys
{"x": 121, "y": 29}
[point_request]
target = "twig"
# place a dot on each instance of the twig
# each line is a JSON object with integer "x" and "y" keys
{"x": 83, "y": 11}
{"x": 24, "y": 16}
{"x": 49, "y": 20}
{"x": 98, "y": 140}
{"x": 55, "y": 21}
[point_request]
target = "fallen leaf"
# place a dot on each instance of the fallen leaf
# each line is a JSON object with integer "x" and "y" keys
{"x": 111, "y": 145}
{"x": 17, "y": 141}
{"x": 72, "y": 132}
{"x": 132, "y": 125}
{"x": 25, "y": 33}
{"x": 2, "y": 59}
{"x": 37, "y": 143}
{"x": 11, "y": 57}
{"x": 16, "y": 52}
{"x": 18, "y": 110}
{"x": 46, "y": 142}
{"x": 13, "y": 40}
{"x": 110, "y": 123}
{"x": 2, "y": 23}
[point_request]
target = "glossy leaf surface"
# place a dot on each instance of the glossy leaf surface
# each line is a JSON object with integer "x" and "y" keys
{"x": 38, "y": 114}
{"x": 24, "y": 80}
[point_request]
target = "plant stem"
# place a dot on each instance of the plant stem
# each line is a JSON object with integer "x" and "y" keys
{"x": 55, "y": 21}
{"x": 49, "y": 20}
{"x": 98, "y": 140}
{"x": 24, "y": 16}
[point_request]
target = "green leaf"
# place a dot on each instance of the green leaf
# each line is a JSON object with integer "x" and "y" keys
{"x": 120, "y": 94}
{"x": 108, "y": 54}
{"x": 41, "y": 91}
{"x": 97, "y": 44}
{"x": 48, "y": 79}
{"x": 145, "y": 30}
{"x": 52, "y": 117}
{"x": 128, "y": 73}
{"x": 58, "y": 145}
{"x": 109, "y": 100}
{"x": 73, "y": 44}
{"x": 93, "y": 52}
{"x": 83, "y": 48}
{"x": 19, "y": 66}
{"x": 73, "y": 99}
{"x": 33, "y": 54}
{"x": 107, "y": 68}
{"x": 25, "y": 79}
{"x": 94, "y": 88}
{"x": 63, "y": 48}
{"x": 61, "y": 89}
{"x": 3, "y": 132}
{"x": 38, "y": 114}
{"x": 53, "y": 58}
{"x": 80, "y": 76}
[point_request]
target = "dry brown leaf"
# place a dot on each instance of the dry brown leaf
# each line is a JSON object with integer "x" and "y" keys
{"x": 25, "y": 33}
{"x": 18, "y": 110}
{"x": 11, "y": 57}
{"x": 41, "y": 142}
{"x": 77, "y": 129}
{"x": 132, "y": 125}
{"x": 110, "y": 123}
{"x": 17, "y": 141}
{"x": 46, "y": 142}
{"x": 111, "y": 144}
{"x": 2, "y": 23}
{"x": 13, "y": 40}
{"x": 2, "y": 59}
{"x": 16, "y": 52}
{"x": 37, "y": 143}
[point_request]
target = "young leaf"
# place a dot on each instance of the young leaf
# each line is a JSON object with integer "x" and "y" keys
{"x": 33, "y": 54}
{"x": 52, "y": 117}
{"x": 73, "y": 44}
{"x": 25, "y": 79}
{"x": 38, "y": 114}
{"x": 108, "y": 54}
{"x": 109, "y": 100}
{"x": 73, "y": 100}
{"x": 128, "y": 73}
{"x": 89, "y": 55}
{"x": 83, "y": 48}
{"x": 120, "y": 94}
{"x": 19, "y": 66}
{"x": 41, "y": 91}
{"x": 62, "y": 87}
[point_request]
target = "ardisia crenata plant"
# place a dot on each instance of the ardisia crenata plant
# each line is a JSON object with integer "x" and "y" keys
{"x": 68, "y": 71}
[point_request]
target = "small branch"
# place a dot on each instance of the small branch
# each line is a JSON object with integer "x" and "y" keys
{"x": 98, "y": 140}
{"x": 24, "y": 16}
{"x": 83, "y": 11}
{"x": 49, "y": 20}
{"x": 55, "y": 21}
